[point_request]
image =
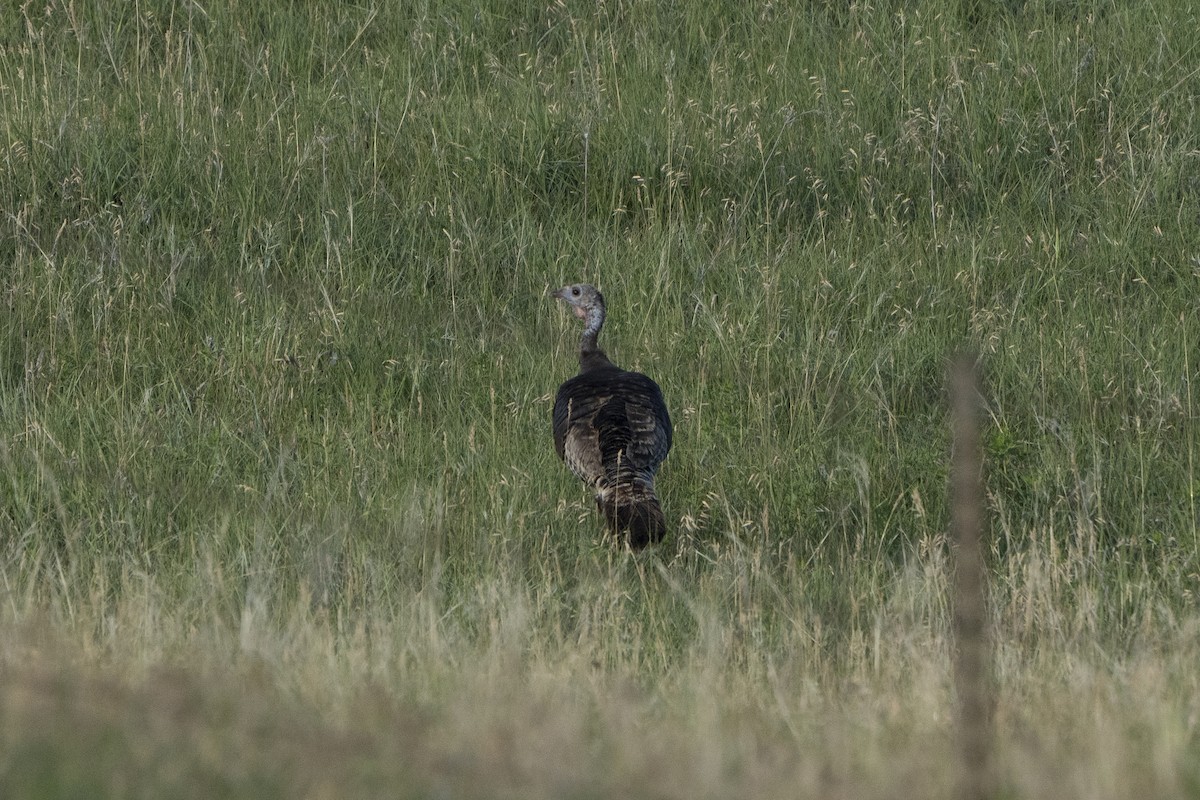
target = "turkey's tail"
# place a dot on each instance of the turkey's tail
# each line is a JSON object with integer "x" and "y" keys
{"x": 632, "y": 510}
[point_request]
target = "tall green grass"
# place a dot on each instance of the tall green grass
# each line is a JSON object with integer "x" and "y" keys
{"x": 281, "y": 512}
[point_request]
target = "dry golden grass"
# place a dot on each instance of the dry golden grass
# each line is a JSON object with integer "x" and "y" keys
{"x": 133, "y": 700}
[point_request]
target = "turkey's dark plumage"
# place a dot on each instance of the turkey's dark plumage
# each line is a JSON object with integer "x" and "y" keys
{"x": 611, "y": 427}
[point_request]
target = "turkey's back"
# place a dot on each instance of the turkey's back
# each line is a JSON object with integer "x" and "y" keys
{"x": 611, "y": 427}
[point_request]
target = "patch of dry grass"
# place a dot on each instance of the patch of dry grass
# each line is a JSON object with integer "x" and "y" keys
{"x": 291, "y": 701}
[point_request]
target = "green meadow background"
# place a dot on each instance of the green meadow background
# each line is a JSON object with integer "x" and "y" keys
{"x": 280, "y": 514}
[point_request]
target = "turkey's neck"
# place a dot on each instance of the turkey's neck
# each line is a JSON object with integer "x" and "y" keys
{"x": 590, "y": 354}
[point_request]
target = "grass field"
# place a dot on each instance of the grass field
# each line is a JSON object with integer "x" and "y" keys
{"x": 281, "y": 514}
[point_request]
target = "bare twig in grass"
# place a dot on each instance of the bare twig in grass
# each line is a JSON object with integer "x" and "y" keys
{"x": 587, "y": 243}
{"x": 971, "y": 669}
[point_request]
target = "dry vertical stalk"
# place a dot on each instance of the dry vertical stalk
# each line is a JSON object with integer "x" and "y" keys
{"x": 971, "y": 668}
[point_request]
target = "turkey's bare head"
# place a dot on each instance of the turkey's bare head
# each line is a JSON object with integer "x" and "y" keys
{"x": 588, "y": 304}
{"x": 585, "y": 300}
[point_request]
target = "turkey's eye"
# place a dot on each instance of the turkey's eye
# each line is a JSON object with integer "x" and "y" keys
{"x": 575, "y": 291}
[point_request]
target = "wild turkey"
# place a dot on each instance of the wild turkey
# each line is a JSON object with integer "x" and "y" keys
{"x": 611, "y": 427}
